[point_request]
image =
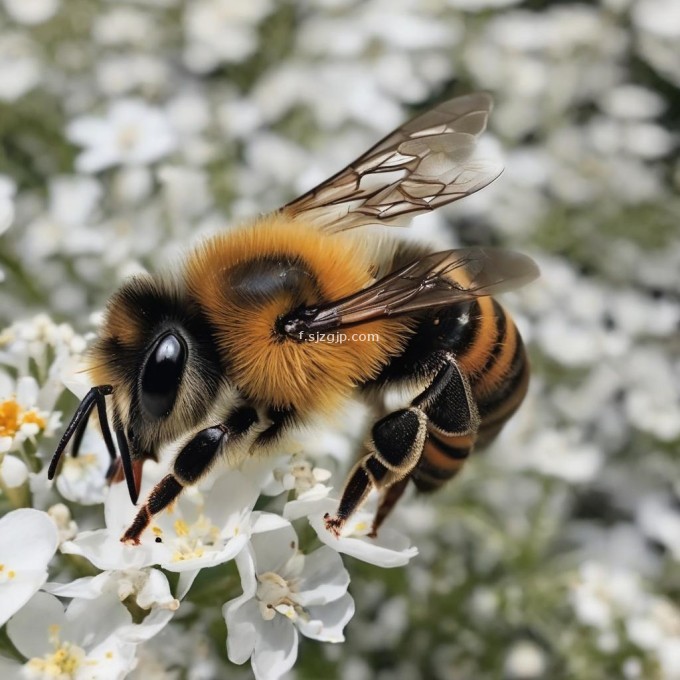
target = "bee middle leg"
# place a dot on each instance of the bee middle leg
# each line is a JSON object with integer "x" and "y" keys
{"x": 192, "y": 463}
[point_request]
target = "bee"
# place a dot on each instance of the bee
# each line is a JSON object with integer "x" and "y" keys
{"x": 227, "y": 355}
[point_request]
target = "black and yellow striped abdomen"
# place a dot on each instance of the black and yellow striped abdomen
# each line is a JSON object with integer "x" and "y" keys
{"x": 490, "y": 353}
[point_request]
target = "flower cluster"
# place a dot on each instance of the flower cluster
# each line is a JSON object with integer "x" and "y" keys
{"x": 131, "y": 129}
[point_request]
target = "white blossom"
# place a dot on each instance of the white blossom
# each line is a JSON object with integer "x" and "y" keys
{"x": 82, "y": 479}
{"x": 79, "y": 643}
{"x": 389, "y": 549}
{"x": 196, "y": 532}
{"x": 302, "y": 477}
{"x": 28, "y": 540}
{"x": 221, "y": 31}
{"x": 19, "y": 66}
{"x": 148, "y": 588}
{"x": 131, "y": 133}
{"x": 285, "y": 592}
{"x": 31, "y": 11}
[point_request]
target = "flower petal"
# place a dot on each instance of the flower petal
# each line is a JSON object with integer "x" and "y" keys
{"x": 274, "y": 548}
{"x": 242, "y": 619}
{"x": 389, "y": 549}
{"x": 231, "y": 493}
{"x": 275, "y": 648}
{"x": 28, "y": 540}
{"x": 31, "y": 639}
{"x": 328, "y": 621}
{"x": 324, "y": 578}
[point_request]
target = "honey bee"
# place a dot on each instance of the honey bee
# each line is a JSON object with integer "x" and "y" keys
{"x": 228, "y": 356}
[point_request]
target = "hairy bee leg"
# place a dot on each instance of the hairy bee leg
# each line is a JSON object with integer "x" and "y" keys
{"x": 453, "y": 423}
{"x": 390, "y": 497}
{"x": 160, "y": 497}
{"x": 449, "y": 421}
{"x": 192, "y": 463}
{"x": 396, "y": 443}
{"x": 448, "y": 401}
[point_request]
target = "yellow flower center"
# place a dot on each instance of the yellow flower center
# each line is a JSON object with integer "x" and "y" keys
{"x": 277, "y": 594}
{"x": 191, "y": 540}
{"x": 62, "y": 664}
{"x": 12, "y": 417}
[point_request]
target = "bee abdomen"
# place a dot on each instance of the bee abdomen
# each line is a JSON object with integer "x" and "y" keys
{"x": 496, "y": 364}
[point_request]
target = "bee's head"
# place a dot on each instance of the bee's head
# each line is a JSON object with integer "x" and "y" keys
{"x": 157, "y": 352}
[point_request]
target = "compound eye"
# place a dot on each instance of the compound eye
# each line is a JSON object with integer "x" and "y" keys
{"x": 162, "y": 375}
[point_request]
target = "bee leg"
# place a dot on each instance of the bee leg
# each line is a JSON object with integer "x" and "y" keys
{"x": 192, "y": 463}
{"x": 448, "y": 421}
{"x": 160, "y": 497}
{"x": 396, "y": 445}
{"x": 453, "y": 423}
{"x": 391, "y": 496}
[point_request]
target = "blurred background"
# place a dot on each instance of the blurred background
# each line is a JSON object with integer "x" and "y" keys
{"x": 129, "y": 129}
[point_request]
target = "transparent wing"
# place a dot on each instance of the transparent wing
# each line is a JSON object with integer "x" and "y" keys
{"x": 422, "y": 165}
{"x": 436, "y": 280}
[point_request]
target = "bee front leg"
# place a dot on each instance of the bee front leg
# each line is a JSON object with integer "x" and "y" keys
{"x": 192, "y": 463}
{"x": 396, "y": 444}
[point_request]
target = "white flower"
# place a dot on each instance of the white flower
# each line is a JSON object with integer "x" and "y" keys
{"x": 148, "y": 588}
{"x": 193, "y": 533}
{"x": 28, "y": 540}
{"x": 124, "y": 26}
{"x": 559, "y": 454}
{"x": 301, "y": 476}
{"x": 179, "y": 653}
{"x": 83, "y": 479}
{"x": 19, "y": 66}
{"x": 221, "y": 31}
{"x": 66, "y": 227}
{"x": 39, "y": 344}
{"x": 389, "y": 549}
{"x": 285, "y": 592}
{"x": 78, "y": 644}
{"x": 31, "y": 11}
{"x": 525, "y": 659}
{"x": 132, "y": 133}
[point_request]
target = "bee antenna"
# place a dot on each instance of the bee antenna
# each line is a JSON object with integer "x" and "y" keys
{"x": 77, "y": 425}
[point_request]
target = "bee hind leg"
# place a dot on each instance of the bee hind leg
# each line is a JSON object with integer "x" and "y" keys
{"x": 430, "y": 452}
{"x": 390, "y": 498}
{"x": 396, "y": 444}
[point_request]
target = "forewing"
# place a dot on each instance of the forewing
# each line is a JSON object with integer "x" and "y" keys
{"x": 436, "y": 280}
{"x": 422, "y": 165}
